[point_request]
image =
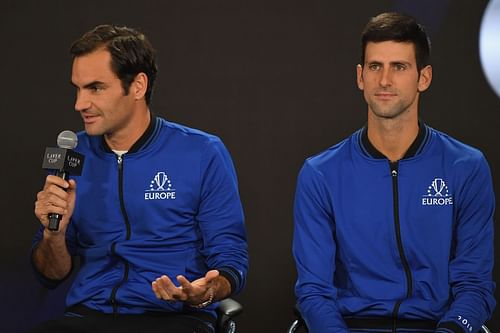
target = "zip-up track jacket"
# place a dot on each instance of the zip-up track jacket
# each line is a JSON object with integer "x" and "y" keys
{"x": 168, "y": 206}
{"x": 408, "y": 240}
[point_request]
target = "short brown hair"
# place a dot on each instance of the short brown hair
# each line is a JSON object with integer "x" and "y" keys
{"x": 131, "y": 53}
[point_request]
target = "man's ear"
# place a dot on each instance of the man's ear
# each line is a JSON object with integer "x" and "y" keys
{"x": 359, "y": 76}
{"x": 425, "y": 78}
{"x": 139, "y": 86}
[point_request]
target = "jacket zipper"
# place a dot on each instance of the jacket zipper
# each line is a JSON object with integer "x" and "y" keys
{"x": 127, "y": 225}
{"x": 397, "y": 224}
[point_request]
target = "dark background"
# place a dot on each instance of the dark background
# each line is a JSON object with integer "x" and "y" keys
{"x": 274, "y": 79}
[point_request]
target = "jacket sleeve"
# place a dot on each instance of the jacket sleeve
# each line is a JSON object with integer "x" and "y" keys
{"x": 314, "y": 251}
{"x": 220, "y": 216}
{"x": 471, "y": 261}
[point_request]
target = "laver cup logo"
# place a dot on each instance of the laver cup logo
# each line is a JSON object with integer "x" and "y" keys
{"x": 160, "y": 180}
{"x": 63, "y": 160}
{"x": 438, "y": 186}
{"x": 53, "y": 158}
{"x": 160, "y": 188}
{"x": 438, "y": 194}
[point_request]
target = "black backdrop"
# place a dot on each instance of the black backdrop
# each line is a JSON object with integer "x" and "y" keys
{"x": 275, "y": 79}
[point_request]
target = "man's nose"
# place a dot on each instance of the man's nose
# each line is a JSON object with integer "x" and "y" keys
{"x": 386, "y": 77}
{"x": 82, "y": 102}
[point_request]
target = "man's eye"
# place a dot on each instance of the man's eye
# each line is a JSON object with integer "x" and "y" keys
{"x": 374, "y": 67}
{"x": 400, "y": 67}
{"x": 96, "y": 88}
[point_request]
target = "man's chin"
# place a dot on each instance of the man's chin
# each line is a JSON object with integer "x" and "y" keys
{"x": 388, "y": 112}
{"x": 92, "y": 130}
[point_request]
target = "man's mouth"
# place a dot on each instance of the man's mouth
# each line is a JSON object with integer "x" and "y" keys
{"x": 385, "y": 95}
{"x": 88, "y": 118}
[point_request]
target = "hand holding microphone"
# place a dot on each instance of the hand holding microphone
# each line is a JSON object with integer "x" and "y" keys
{"x": 63, "y": 161}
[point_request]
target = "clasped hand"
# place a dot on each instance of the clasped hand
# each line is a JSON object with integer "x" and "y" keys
{"x": 193, "y": 293}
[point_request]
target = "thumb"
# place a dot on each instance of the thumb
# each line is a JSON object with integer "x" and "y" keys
{"x": 212, "y": 274}
{"x": 72, "y": 185}
{"x": 71, "y": 190}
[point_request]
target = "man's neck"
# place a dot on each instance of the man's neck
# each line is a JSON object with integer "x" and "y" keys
{"x": 125, "y": 139}
{"x": 392, "y": 137}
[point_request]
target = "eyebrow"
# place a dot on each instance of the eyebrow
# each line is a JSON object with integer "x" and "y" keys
{"x": 88, "y": 85}
{"x": 396, "y": 62}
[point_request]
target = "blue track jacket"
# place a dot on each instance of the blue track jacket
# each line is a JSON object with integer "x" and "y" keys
{"x": 168, "y": 206}
{"x": 411, "y": 239}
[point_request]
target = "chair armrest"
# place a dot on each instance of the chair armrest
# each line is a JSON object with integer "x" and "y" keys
{"x": 229, "y": 307}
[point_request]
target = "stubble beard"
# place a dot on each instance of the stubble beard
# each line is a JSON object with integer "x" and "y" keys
{"x": 95, "y": 129}
{"x": 389, "y": 111}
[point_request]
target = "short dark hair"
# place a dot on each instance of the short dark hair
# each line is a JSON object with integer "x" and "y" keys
{"x": 399, "y": 28}
{"x": 131, "y": 53}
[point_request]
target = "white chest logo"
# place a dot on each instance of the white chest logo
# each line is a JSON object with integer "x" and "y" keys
{"x": 438, "y": 194}
{"x": 160, "y": 188}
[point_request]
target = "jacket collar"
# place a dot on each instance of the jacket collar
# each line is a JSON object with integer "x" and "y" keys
{"x": 143, "y": 141}
{"x": 415, "y": 148}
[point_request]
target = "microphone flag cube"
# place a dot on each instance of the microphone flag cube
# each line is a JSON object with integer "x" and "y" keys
{"x": 61, "y": 159}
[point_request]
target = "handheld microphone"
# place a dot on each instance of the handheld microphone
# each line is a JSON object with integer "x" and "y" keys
{"x": 63, "y": 161}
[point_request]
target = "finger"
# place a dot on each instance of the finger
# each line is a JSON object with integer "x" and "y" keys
{"x": 52, "y": 190}
{"x": 161, "y": 291}
{"x": 49, "y": 204}
{"x": 47, "y": 201}
{"x": 54, "y": 195}
{"x": 154, "y": 287}
{"x": 174, "y": 291}
{"x": 54, "y": 200}
{"x": 165, "y": 282}
{"x": 44, "y": 210}
{"x": 186, "y": 286}
{"x": 54, "y": 180}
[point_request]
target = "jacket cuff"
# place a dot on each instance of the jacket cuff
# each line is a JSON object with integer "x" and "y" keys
{"x": 449, "y": 327}
{"x": 232, "y": 276}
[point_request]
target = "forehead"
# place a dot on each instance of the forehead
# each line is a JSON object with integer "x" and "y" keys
{"x": 94, "y": 66}
{"x": 390, "y": 51}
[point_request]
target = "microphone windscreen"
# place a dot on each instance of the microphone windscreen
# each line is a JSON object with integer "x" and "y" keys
{"x": 67, "y": 139}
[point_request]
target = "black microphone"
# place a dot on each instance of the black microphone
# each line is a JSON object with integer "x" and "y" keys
{"x": 63, "y": 161}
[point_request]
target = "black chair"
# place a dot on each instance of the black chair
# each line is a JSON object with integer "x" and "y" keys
{"x": 299, "y": 323}
{"x": 226, "y": 311}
